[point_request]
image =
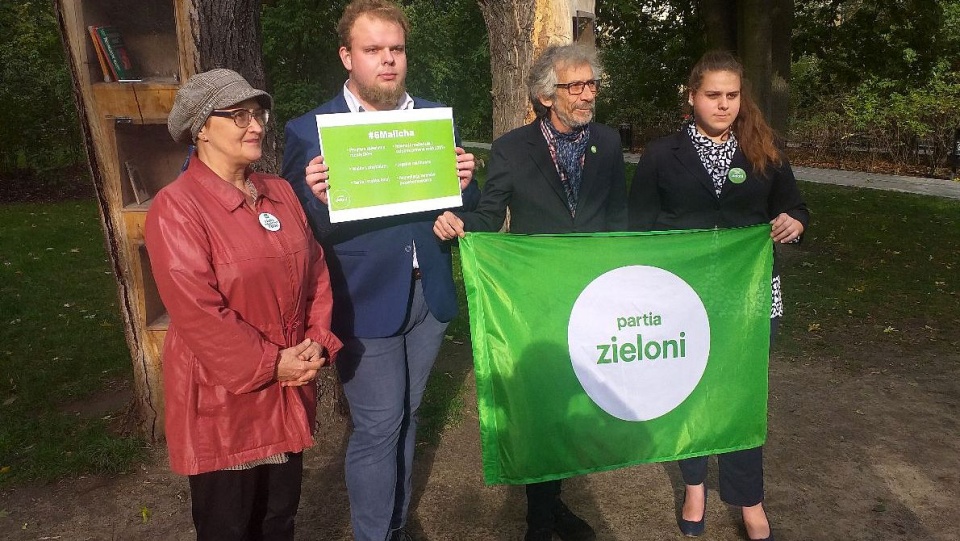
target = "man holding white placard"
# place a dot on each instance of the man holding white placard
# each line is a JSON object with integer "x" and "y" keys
{"x": 392, "y": 280}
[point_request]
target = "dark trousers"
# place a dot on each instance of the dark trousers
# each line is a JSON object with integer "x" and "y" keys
{"x": 741, "y": 472}
{"x": 741, "y": 475}
{"x": 259, "y": 504}
{"x": 542, "y": 500}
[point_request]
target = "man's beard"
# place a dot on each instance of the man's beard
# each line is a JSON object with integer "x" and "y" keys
{"x": 382, "y": 96}
{"x": 571, "y": 121}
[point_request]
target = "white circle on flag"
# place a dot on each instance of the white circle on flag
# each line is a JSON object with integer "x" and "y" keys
{"x": 639, "y": 340}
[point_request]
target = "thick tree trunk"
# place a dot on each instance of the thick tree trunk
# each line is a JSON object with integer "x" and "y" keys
{"x": 781, "y": 62}
{"x": 754, "y": 44}
{"x": 510, "y": 26}
{"x": 230, "y": 38}
{"x": 720, "y": 22}
{"x": 758, "y": 31}
{"x": 518, "y": 30}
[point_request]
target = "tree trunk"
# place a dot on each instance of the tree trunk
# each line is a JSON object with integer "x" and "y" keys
{"x": 510, "y": 29}
{"x": 518, "y": 30}
{"x": 754, "y": 44}
{"x": 758, "y": 31}
{"x": 782, "y": 15}
{"x": 720, "y": 22}
{"x": 233, "y": 42}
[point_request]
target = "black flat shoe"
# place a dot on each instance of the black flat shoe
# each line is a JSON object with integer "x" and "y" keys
{"x": 694, "y": 528}
{"x": 767, "y": 538}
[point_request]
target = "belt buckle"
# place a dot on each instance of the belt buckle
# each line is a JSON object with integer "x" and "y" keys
{"x": 416, "y": 273}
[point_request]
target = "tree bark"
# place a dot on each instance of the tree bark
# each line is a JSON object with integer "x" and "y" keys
{"x": 720, "y": 22}
{"x": 758, "y": 31}
{"x": 226, "y": 34}
{"x": 754, "y": 44}
{"x": 510, "y": 25}
{"x": 518, "y": 31}
{"x": 781, "y": 62}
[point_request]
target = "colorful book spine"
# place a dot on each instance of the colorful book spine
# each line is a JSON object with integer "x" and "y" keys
{"x": 101, "y": 55}
{"x": 117, "y": 54}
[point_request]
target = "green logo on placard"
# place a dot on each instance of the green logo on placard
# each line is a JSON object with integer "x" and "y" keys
{"x": 737, "y": 175}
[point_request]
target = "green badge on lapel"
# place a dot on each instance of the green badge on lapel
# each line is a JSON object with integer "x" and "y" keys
{"x": 737, "y": 175}
{"x": 593, "y": 149}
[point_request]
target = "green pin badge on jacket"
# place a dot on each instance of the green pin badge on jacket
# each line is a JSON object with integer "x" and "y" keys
{"x": 593, "y": 149}
{"x": 737, "y": 175}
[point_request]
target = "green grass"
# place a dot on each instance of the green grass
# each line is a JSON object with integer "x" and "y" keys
{"x": 61, "y": 342}
{"x": 877, "y": 275}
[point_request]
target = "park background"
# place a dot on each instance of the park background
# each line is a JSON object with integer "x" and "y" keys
{"x": 873, "y": 84}
{"x": 864, "y": 397}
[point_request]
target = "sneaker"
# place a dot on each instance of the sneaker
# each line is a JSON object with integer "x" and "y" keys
{"x": 570, "y": 527}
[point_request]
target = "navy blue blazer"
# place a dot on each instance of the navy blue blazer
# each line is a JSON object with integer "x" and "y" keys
{"x": 371, "y": 261}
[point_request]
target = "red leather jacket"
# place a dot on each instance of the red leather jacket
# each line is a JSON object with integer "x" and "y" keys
{"x": 237, "y": 294}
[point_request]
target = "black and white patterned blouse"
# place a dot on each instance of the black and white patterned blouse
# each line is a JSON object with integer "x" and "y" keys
{"x": 715, "y": 157}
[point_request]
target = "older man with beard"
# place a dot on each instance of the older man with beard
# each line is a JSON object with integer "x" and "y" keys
{"x": 561, "y": 173}
{"x": 392, "y": 281}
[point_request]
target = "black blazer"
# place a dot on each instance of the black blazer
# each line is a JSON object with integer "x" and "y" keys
{"x": 522, "y": 176}
{"x": 672, "y": 190}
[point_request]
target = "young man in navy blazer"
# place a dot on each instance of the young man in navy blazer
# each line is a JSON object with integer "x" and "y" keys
{"x": 392, "y": 280}
{"x": 561, "y": 173}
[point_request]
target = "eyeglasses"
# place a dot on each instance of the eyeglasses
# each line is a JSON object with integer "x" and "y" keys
{"x": 242, "y": 117}
{"x": 576, "y": 88}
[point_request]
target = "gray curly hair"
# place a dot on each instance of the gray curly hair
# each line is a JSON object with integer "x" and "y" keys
{"x": 543, "y": 74}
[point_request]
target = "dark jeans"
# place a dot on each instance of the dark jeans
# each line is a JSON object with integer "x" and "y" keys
{"x": 259, "y": 504}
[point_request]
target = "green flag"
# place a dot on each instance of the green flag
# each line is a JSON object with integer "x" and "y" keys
{"x": 595, "y": 352}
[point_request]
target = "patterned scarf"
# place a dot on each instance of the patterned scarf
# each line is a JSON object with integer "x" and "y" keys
{"x": 568, "y": 151}
{"x": 715, "y": 157}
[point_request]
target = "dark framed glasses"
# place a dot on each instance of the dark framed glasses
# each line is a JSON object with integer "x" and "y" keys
{"x": 242, "y": 117}
{"x": 576, "y": 88}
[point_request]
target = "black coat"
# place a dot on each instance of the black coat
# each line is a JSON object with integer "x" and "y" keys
{"x": 522, "y": 176}
{"x": 672, "y": 190}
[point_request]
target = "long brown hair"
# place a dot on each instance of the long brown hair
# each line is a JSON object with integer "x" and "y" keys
{"x": 754, "y": 135}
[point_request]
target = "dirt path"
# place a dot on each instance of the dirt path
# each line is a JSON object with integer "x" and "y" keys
{"x": 872, "y": 455}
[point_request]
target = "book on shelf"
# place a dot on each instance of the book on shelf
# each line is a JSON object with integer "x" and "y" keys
{"x": 140, "y": 193}
{"x": 101, "y": 54}
{"x": 116, "y": 54}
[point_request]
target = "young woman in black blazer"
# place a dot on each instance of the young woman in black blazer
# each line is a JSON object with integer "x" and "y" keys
{"x": 722, "y": 169}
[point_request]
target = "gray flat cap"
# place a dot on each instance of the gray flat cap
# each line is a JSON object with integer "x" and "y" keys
{"x": 204, "y": 92}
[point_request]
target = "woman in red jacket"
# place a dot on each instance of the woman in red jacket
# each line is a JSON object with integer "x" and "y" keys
{"x": 248, "y": 294}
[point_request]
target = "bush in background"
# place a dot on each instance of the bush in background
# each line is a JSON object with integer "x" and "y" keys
{"x": 39, "y": 131}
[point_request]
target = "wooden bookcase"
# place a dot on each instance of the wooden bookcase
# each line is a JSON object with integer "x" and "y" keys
{"x": 126, "y": 136}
